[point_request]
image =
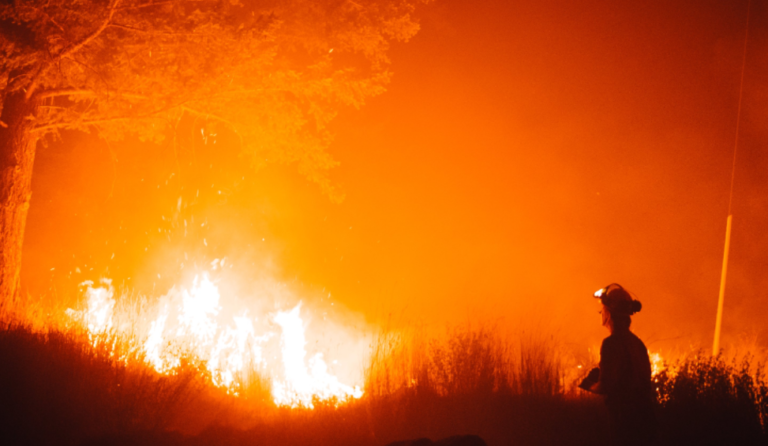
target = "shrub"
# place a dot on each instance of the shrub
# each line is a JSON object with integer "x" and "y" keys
{"x": 708, "y": 400}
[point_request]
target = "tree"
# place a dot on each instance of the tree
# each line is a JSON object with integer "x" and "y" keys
{"x": 274, "y": 72}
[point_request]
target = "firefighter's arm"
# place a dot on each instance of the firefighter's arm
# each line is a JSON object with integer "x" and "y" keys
{"x": 591, "y": 381}
{"x": 602, "y": 379}
{"x": 609, "y": 369}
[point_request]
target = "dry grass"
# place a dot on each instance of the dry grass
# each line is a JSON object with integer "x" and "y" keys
{"x": 61, "y": 386}
{"x": 713, "y": 400}
{"x": 466, "y": 360}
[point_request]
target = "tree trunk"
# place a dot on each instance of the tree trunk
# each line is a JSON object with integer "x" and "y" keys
{"x": 17, "y": 156}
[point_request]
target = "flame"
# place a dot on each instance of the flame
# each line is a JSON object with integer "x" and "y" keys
{"x": 302, "y": 385}
{"x": 194, "y": 322}
{"x": 98, "y": 319}
{"x": 657, "y": 364}
{"x": 660, "y": 364}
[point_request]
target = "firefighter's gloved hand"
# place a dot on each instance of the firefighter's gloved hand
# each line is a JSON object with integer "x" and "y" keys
{"x": 592, "y": 378}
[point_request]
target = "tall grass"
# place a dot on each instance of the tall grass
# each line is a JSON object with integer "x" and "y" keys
{"x": 714, "y": 400}
{"x": 466, "y": 360}
{"x": 472, "y": 378}
{"x": 60, "y": 385}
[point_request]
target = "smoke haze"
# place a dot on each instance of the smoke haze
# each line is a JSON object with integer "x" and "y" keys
{"x": 524, "y": 155}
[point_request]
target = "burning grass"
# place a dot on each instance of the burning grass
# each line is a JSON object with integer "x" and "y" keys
{"x": 236, "y": 344}
{"x": 61, "y": 384}
{"x": 466, "y": 360}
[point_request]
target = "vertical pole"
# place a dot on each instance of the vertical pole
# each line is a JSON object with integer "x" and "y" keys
{"x": 721, "y": 298}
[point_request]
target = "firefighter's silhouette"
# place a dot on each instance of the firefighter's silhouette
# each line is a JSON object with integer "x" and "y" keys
{"x": 624, "y": 375}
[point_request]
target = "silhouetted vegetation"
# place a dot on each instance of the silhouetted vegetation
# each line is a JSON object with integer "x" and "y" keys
{"x": 60, "y": 386}
{"x": 709, "y": 401}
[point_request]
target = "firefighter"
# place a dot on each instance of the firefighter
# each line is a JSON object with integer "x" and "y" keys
{"x": 624, "y": 374}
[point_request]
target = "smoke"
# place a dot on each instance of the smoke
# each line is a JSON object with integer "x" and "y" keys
{"x": 523, "y": 157}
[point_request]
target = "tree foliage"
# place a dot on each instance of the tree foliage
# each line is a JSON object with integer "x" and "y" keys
{"x": 274, "y": 72}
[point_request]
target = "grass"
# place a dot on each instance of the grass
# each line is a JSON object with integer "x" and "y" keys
{"x": 58, "y": 385}
{"x": 58, "y": 388}
{"x": 711, "y": 400}
{"x": 467, "y": 360}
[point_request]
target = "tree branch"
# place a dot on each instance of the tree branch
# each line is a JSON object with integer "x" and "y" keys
{"x": 229, "y": 123}
{"x": 95, "y": 71}
{"x": 62, "y": 125}
{"x": 149, "y": 5}
{"x": 64, "y": 92}
{"x": 66, "y": 124}
{"x": 70, "y": 49}
{"x": 85, "y": 92}
{"x": 139, "y": 30}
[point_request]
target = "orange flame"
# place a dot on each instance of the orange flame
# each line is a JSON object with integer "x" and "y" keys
{"x": 301, "y": 385}
{"x": 193, "y": 322}
{"x": 657, "y": 364}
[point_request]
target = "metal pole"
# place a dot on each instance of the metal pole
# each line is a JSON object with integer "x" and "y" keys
{"x": 721, "y": 298}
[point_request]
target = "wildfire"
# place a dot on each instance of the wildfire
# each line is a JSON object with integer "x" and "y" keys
{"x": 98, "y": 318}
{"x": 301, "y": 385}
{"x": 100, "y": 305}
{"x": 193, "y": 322}
{"x": 657, "y": 364}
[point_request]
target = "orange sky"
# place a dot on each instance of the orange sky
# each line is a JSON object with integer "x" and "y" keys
{"x": 523, "y": 157}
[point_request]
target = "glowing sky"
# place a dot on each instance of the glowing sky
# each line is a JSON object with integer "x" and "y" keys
{"x": 524, "y": 155}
